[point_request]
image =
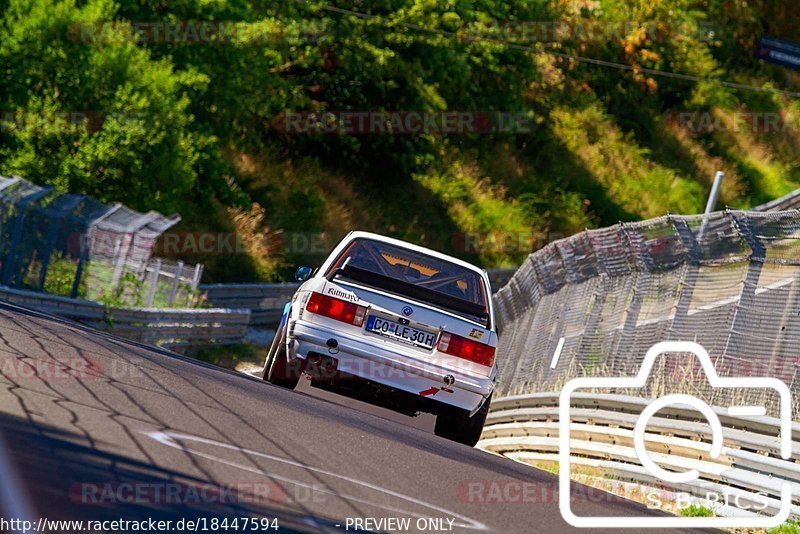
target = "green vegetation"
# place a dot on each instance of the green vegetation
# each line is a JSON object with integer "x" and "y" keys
{"x": 61, "y": 277}
{"x": 136, "y": 101}
{"x": 695, "y": 510}
{"x": 790, "y": 527}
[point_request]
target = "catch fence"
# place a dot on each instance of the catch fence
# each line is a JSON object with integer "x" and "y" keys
{"x": 729, "y": 281}
{"x": 76, "y": 246}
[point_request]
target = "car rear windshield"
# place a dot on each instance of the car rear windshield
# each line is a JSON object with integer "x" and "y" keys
{"x": 416, "y": 275}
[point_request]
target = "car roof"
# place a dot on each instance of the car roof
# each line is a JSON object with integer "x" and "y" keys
{"x": 416, "y": 248}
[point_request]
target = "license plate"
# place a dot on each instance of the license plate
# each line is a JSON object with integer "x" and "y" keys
{"x": 401, "y": 332}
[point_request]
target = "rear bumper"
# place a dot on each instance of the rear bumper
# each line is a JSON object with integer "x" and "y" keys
{"x": 386, "y": 363}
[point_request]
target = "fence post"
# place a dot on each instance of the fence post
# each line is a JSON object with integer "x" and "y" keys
{"x": 747, "y": 295}
{"x": 198, "y": 272}
{"x": 56, "y": 220}
{"x": 174, "y": 289}
{"x": 151, "y": 291}
{"x": 86, "y": 246}
{"x": 635, "y": 306}
{"x": 558, "y": 332}
{"x": 712, "y": 201}
{"x": 588, "y": 339}
{"x": 22, "y": 208}
{"x": 52, "y": 233}
{"x": 694, "y": 253}
{"x": 122, "y": 249}
{"x": 76, "y": 283}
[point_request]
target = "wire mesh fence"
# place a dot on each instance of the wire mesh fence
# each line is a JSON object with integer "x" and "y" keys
{"x": 79, "y": 247}
{"x": 729, "y": 281}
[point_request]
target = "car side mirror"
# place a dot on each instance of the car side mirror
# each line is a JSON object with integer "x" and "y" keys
{"x": 303, "y": 273}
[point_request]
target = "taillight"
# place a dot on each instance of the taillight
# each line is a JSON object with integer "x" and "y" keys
{"x": 341, "y": 310}
{"x": 462, "y": 347}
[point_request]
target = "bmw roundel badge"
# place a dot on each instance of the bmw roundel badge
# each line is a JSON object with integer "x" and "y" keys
{"x": 408, "y": 311}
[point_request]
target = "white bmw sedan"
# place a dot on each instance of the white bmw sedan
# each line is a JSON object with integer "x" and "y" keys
{"x": 397, "y": 325}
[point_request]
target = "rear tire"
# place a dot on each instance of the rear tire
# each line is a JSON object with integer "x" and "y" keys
{"x": 462, "y": 428}
{"x": 277, "y": 370}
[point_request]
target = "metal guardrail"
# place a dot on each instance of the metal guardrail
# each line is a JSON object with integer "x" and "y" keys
{"x": 237, "y": 308}
{"x": 146, "y": 325}
{"x": 266, "y": 301}
{"x": 525, "y": 428}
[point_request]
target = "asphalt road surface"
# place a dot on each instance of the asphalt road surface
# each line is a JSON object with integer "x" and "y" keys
{"x": 98, "y": 428}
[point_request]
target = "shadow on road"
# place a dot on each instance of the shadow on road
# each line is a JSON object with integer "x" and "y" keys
{"x": 67, "y": 478}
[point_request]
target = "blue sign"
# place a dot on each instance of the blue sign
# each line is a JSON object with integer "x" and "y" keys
{"x": 779, "y": 52}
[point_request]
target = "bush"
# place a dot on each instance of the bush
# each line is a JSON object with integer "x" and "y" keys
{"x": 185, "y": 126}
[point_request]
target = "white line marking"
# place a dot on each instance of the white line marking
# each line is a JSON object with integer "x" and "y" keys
{"x": 557, "y": 353}
{"x": 173, "y": 439}
{"x": 747, "y": 411}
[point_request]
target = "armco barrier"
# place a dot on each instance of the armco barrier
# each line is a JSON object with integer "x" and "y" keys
{"x": 525, "y": 428}
{"x": 266, "y": 301}
{"x": 147, "y": 325}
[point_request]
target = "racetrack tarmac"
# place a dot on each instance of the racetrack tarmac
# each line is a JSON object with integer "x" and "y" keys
{"x": 99, "y": 428}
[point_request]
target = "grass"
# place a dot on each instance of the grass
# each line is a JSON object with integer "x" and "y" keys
{"x": 695, "y": 510}
{"x": 550, "y": 467}
{"x": 584, "y": 167}
{"x": 480, "y": 209}
{"x": 622, "y": 167}
{"x": 790, "y": 527}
